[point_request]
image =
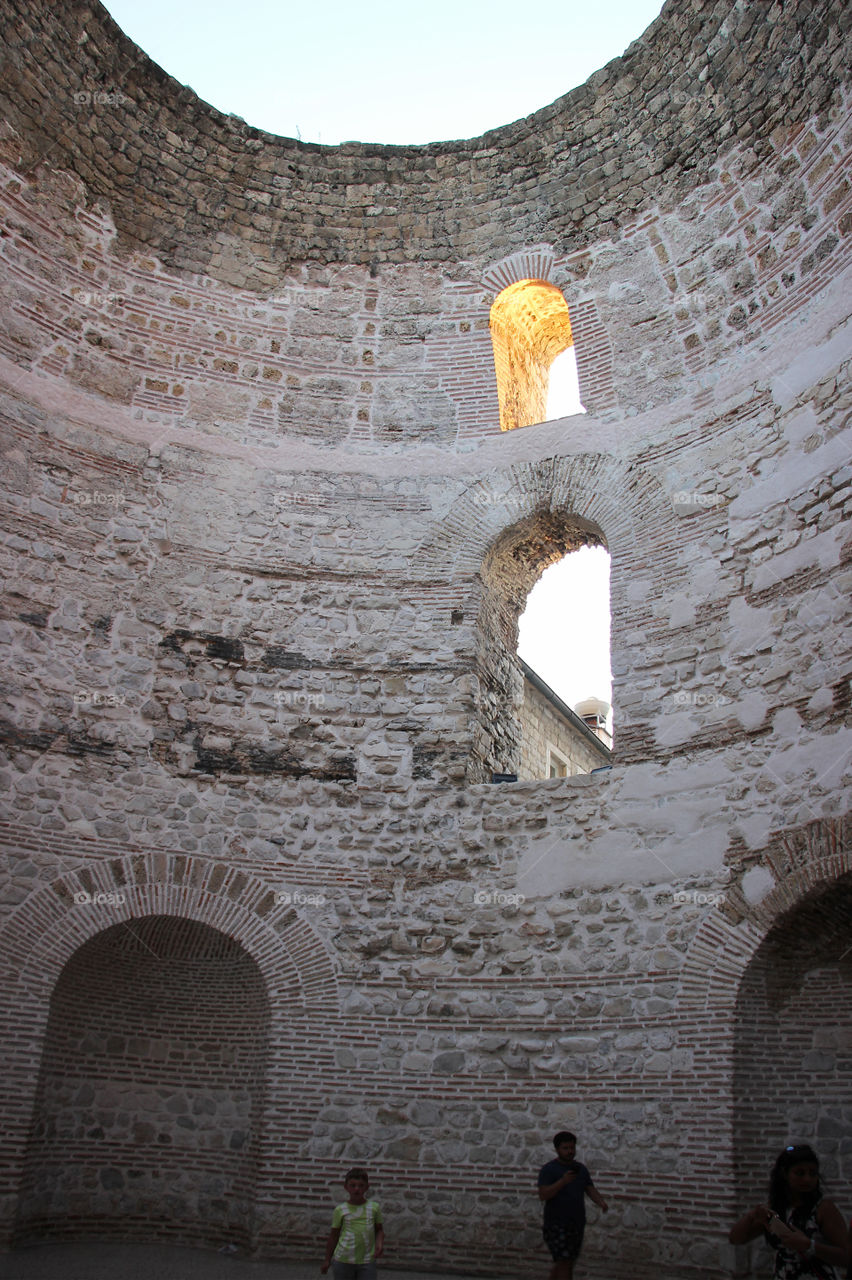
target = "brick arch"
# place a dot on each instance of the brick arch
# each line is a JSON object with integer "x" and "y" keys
{"x": 538, "y": 262}
{"x": 497, "y": 539}
{"x": 627, "y": 506}
{"x": 46, "y": 930}
{"x": 803, "y": 861}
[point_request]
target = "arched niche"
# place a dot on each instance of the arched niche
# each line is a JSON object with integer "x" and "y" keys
{"x": 148, "y": 1108}
{"x": 793, "y": 1042}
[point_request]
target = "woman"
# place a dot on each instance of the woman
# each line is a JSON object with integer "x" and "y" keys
{"x": 806, "y": 1231}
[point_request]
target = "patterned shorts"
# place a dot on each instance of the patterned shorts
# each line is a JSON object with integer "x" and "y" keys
{"x": 564, "y": 1240}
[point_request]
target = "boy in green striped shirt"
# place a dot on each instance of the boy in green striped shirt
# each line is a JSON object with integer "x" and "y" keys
{"x": 357, "y": 1237}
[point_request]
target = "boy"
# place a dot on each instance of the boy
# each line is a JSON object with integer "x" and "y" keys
{"x": 357, "y": 1237}
{"x": 563, "y": 1184}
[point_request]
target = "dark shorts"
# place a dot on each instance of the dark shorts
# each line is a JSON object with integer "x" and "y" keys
{"x": 354, "y": 1270}
{"x": 564, "y": 1240}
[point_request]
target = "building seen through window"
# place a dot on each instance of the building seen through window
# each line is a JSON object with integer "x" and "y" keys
{"x": 564, "y": 655}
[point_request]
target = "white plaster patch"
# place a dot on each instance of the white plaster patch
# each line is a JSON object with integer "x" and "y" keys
{"x": 706, "y": 582}
{"x": 800, "y": 426}
{"x": 787, "y": 724}
{"x": 822, "y": 700}
{"x": 822, "y": 551}
{"x": 757, "y": 883}
{"x": 674, "y": 729}
{"x": 681, "y": 611}
{"x": 689, "y": 836}
{"x": 752, "y": 628}
{"x": 751, "y": 710}
{"x": 649, "y": 782}
{"x": 640, "y": 588}
{"x": 815, "y": 363}
{"x": 822, "y": 762}
{"x": 755, "y": 829}
{"x": 792, "y": 474}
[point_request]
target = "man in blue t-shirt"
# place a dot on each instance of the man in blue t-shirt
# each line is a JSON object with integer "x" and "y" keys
{"x": 563, "y": 1185}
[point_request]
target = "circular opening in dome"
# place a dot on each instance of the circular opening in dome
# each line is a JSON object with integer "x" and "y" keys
{"x": 381, "y": 72}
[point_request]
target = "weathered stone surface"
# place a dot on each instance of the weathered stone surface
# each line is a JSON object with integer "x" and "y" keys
{"x": 263, "y": 914}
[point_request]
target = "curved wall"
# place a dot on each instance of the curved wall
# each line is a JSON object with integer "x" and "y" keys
{"x": 265, "y": 546}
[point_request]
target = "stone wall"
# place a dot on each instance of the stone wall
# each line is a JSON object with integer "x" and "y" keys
{"x": 210, "y": 195}
{"x": 264, "y": 552}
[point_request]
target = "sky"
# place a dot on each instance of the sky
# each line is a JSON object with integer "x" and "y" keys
{"x": 381, "y": 71}
{"x": 564, "y": 633}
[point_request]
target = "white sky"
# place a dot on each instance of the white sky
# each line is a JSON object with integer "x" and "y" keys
{"x": 382, "y": 71}
{"x": 564, "y": 634}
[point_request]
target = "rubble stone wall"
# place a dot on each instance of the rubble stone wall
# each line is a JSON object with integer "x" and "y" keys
{"x": 264, "y": 552}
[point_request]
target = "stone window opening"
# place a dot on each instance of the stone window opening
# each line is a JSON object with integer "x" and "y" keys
{"x": 513, "y": 694}
{"x": 534, "y": 357}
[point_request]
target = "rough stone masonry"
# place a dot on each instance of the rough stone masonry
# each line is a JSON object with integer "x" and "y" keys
{"x": 265, "y": 546}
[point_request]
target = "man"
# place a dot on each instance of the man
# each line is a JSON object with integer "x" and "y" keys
{"x": 563, "y": 1185}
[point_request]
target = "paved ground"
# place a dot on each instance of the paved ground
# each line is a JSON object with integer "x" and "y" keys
{"x": 160, "y": 1262}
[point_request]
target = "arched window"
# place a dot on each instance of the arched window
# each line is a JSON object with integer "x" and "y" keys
{"x": 531, "y": 330}
{"x": 564, "y": 653}
{"x": 515, "y": 561}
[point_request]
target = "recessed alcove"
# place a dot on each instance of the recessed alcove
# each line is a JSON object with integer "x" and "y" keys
{"x": 147, "y": 1117}
{"x": 793, "y": 1042}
